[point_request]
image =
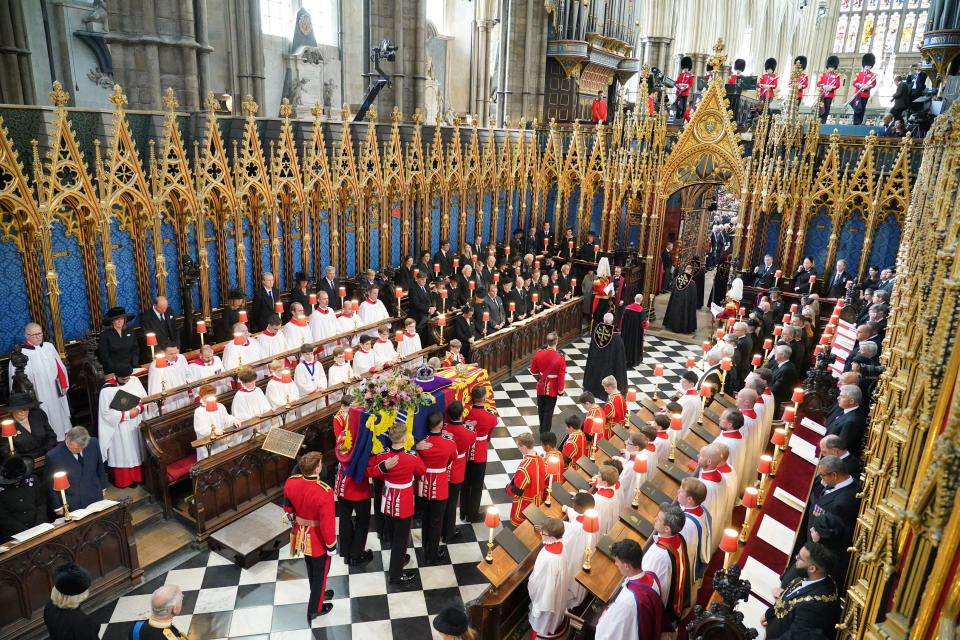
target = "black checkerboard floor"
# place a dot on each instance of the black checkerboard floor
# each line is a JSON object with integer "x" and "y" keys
{"x": 268, "y": 601}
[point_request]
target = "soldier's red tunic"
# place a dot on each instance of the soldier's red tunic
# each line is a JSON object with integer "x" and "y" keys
{"x": 397, "y": 499}
{"x": 465, "y": 438}
{"x": 437, "y": 460}
{"x": 529, "y": 486}
{"x": 344, "y": 486}
{"x": 550, "y": 368}
{"x": 311, "y": 501}
{"x": 484, "y": 421}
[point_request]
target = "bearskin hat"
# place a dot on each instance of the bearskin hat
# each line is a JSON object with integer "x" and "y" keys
{"x": 771, "y": 63}
{"x": 869, "y": 60}
{"x": 833, "y": 62}
{"x": 686, "y": 63}
{"x": 739, "y": 64}
{"x": 803, "y": 62}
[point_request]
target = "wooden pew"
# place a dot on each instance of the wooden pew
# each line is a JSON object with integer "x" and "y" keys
{"x": 102, "y": 543}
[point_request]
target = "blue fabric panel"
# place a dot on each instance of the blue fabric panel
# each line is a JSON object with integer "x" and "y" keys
{"x": 596, "y": 212}
{"x": 324, "y": 242}
{"x": 214, "y": 261}
{"x": 283, "y": 282}
{"x": 123, "y": 260}
{"x": 503, "y": 231}
{"x": 251, "y": 256}
{"x": 192, "y": 247}
{"x": 886, "y": 243}
{"x": 515, "y": 221}
{"x": 172, "y": 264}
{"x": 573, "y": 206}
{"x": 296, "y": 246}
{"x": 230, "y": 236}
{"x": 74, "y": 314}
{"x": 487, "y": 230}
{"x": 818, "y": 237}
{"x": 850, "y": 242}
{"x": 549, "y": 212}
{"x": 396, "y": 237}
{"x": 436, "y": 216}
{"x": 16, "y": 312}
{"x": 263, "y": 248}
{"x": 525, "y": 222}
{"x": 454, "y": 232}
{"x": 351, "y": 253}
{"x": 772, "y": 240}
{"x": 374, "y": 247}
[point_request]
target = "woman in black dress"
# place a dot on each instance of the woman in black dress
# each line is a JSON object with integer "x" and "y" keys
{"x": 22, "y": 498}
{"x": 802, "y": 279}
{"x": 34, "y": 436}
{"x": 117, "y": 343}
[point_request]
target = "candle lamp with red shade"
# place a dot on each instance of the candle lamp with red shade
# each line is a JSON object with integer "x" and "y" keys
{"x": 201, "y": 329}
{"x": 631, "y": 397}
{"x": 657, "y": 374}
{"x": 552, "y": 464}
{"x": 779, "y": 441}
{"x": 640, "y": 468}
{"x": 729, "y": 545}
{"x": 242, "y": 316}
{"x": 441, "y": 322}
{"x": 492, "y": 520}
{"x": 61, "y": 483}
{"x": 161, "y": 364}
{"x": 210, "y": 404}
{"x": 765, "y": 468}
{"x": 750, "y": 500}
{"x": 676, "y": 424}
{"x": 591, "y": 525}
{"x": 596, "y": 428}
{"x": 8, "y": 432}
{"x": 152, "y": 343}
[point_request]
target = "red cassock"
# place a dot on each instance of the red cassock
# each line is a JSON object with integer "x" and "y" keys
{"x": 829, "y": 83}
{"x": 465, "y": 438}
{"x": 484, "y": 421}
{"x": 550, "y": 367}
{"x": 437, "y": 459}
{"x": 865, "y": 81}
{"x": 614, "y": 413}
{"x": 599, "y": 110}
{"x": 767, "y": 79}
{"x": 398, "y": 482}
{"x": 529, "y": 486}
{"x": 311, "y": 501}
{"x": 593, "y": 415}
{"x": 684, "y": 78}
{"x": 599, "y": 291}
{"x": 575, "y": 446}
{"x": 452, "y": 359}
{"x": 344, "y": 486}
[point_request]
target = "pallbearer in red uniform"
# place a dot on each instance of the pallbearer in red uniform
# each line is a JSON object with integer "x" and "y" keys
{"x": 767, "y": 84}
{"x": 802, "y": 81}
{"x": 574, "y": 444}
{"x": 310, "y": 503}
{"x": 353, "y": 498}
{"x": 433, "y": 486}
{"x": 862, "y": 84}
{"x": 738, "y": 67}
{"x": 684, "y": 83}
{"x": 484, "y": 420}
{"x": 550, "y": 368}
{"x": 615, "y": 410}
{"x": 397, "y": 467}
{"x": 465, "y": 438}
{"x": 828, "y": 84}
{"x": 529, "y": 485}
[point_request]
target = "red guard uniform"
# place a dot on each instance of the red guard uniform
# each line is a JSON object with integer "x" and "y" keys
{"x": 685, "y": 78}
{"x": 767, "y": 79}
{"x": 803, "y": 81}
{"x": 550, "y": 368}
{"x": 397, "y": 502}
{"x": 574, "y": 446}
{"x": 352, "y": 497}
{"x": 452, "y": 359}
{"x": 434, "y": 487}
{"x": 529, "y": 486}
{"x": 465, "y": 438}
{"x": 314, "y": 532}
{"x": 864, "y": 82}
{"x": 614, "y": 413}
{"x": 483, "y": 420}
{"x": 600, "y": 291}
{"x": 828, "y": 84}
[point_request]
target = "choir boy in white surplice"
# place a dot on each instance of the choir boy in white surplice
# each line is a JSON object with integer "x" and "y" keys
{"x": 718, "y": 501}
{"x": 205, "y": 366}
{"x": 364, "y": 360}
{"x": 206, "y": 422}
{"x": 280, "y": 393}
{"x": 575, "y": 543}
{"x": 731, "y": 477}
{"x": 347, "y": 322}
{"x": 296, "y": 332}
{"x": 383, "y": 350}
{"x": 323, "y": 322}
{"x": 340, "y": 372}
{"x": 271, "y": 340}
{"x": 45, "y": 369}
{"x": 410, "y": 342}
{"x": 372, "y": 310}
{"x": 175, "y": 374}
{"x": 249, "y": 401}
{"x": 607, "y": 501}
{"x": 629, "y": 478}
{"x": 309, "y": 377}
{"x": 662, "y": 442}
{"x": 242, "y": 354}
{"x": 733, "y": 434}
{"x": 696, "y": 531}
{"x": 119, "y": 430}
{"x": 689, "y": 401}
{"x": 637, "y": 612}
{"x": 549, "y": 583}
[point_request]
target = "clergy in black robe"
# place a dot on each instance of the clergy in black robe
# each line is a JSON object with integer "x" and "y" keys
{"x": 633, "y": 323}
{"x": 607, "y": 357}
{"x": 699, "y": 275}
{"x": 681, "y": 314}
{"x": 719, "y": 294}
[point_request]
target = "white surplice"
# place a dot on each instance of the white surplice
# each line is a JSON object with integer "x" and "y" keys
{"x": 363, "y": 362}
{"x": 619, "y": 621}
{"x": 384, "y": 352}
{"x": 203, "y": 423}
{"x": 548, "y": 587}
{"x": 309, "y": 377}
{"x": 237, "y": 355}
{"x": 279, "y": 393}
{"x": 323, "y": 324}
{"x": 248, "y": 403}
{"x": 295, "y": 336}
{"x": 45, "y": 369}
{"x": 339, "y": 372}
{"x": 574, "y": 548}
{"x": 606, "y": 502}
{"x": 691, "y": 404}
{"x": 198, "y": 370}
{"x": 119, "y": 434}
{"x": 173, "y": 375}
{"x": 410, "y": 344}
{"x": 272, "y": 344}
{"x": 371, "y": 311}
{"x": 346, "y": 324}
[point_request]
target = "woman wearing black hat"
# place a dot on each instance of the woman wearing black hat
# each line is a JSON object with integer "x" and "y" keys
{"x": 62, "y": 615}
{"x": 452, "y": 624}
{"x": 229, "y": 315}
{"x": 34, "y": 436}
{"x": 117, "y": 344}
{"x": 22, "y": 499}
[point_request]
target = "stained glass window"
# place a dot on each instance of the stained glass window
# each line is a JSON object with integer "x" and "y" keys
{"x": 857, "y": 5}
{"x": 925, "y": 4}
{"x": 883, "y": 27}
{"x": 892, "y": 31}
{"x": 921, "y": 25}
{"x": 913, "y": 4}
{"x": 871, "y": 5}
{"x": 898, "y": 4}
{"x": 880, "y": 31}
{"x": 867, "y": 35}
{"x": 852, "y": 32}
{"x": 841, "y": 32}
{"x": 906, "y": 36}
{"x": 884, "y": 5}
{"x": 844, "y": 5}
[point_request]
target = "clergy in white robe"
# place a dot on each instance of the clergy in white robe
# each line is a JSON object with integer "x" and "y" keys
{"x": 549, "y": 583}
{"x": 296, "y": 333}
{"x": 637, "y": 611}
{"x": 249, "y": 402}
{"x": 689, "y": 401}
{"x": 206, "y": 422}
{"x": 575, "y": 543}
{"x": 731, "y": 476}
{"x": 667, "y": 559}
{"x": 271, "y": 340}
{"x": 410, "y": 342}
{"x": 208, "y": 365}
{"x": 718, "y": 501}
{"x": 347, "y": 322}
{"x": 45, "y": 369}
{"x": 323, "y": 322}
{"x": 662, "y": 441}
{"x": 606, "y": 498}
{"x": 372, "y": 310}
{"x": 309, "y": 377}
{"x": 364, "y": 360}
{"x": 242, "y": 350}
{"x": 120, "y": 441}
{"x": 383, "y": 350}
{"x": 696, "y": 531}
{"x": 340, "y": 371}
{"x": 174, "y": 374}
{"x": 738, "y": 442}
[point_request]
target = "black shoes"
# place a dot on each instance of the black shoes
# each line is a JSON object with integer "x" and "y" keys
{"x": 328, "y": 594}
{"x": 442, "y": 557}
{"x": 406, "y": 578}
{"x": 324, "y": 610}
{"x": 363, "y": 559}
{"x": 454, "y": 537}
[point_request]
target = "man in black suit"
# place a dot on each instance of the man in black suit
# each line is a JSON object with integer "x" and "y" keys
{"x": 544, "y": 234}
{"x": 565, "y": 280}
{"x": 784, "y": 376}
{"x": 763, "y": 274}
{"x": 478, "y": 248}
{"x": 331, "y": 285}
{"x": 265, "y": 299}
{"x": 838, "y": 281}
{"x": 744, "y": 349}
{"x": 866, "y": 332}
{"x": 886, "y": 280}
{"x": 586, "y": 252}
{"x": 444, "y": 258}
{"x": 301, "y": 292}
{"x": 421, "y": 304}
{"x": 160, "y": 320}
{"x": 851, "y": 423}
{"x": 833, "y": 515}
{"x": 485, "y": 273}
{"x": 498, "y": 316}
{"x": 78, "y": 455}
{"x": 901, "y": 98}
{"x": 834, "y": 445}
{"x": 807, "y": 599}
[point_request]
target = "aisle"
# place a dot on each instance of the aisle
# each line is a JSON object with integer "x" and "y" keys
{"x": 268, "y": 601}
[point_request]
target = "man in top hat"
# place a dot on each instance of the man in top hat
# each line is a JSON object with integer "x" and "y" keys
{"x": 767, "y": 84}
{"x": 62, "y": 615}
{"x": 828, "y": 84}
{"x": 119, "y": 429}
{"x": 46, "y": 370}
{"x": 739, "y": 65}
{"x": 802, "y": 81}
{"x": 862, "y": 84}
{"x": 117, "y": 344}
{"x": 265, "y": 299}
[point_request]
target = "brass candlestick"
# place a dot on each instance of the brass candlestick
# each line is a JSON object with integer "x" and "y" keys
{"x": 586, "y": 553}
{"x": 66, "y": 511}
{"x": 636, "y": 497}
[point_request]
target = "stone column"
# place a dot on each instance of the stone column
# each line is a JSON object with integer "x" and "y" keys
{"x": 256, "y": 53}
{"x": 203, "y": 54}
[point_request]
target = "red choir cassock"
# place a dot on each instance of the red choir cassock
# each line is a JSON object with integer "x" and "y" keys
{"x": 614, "y": 413}
{"x": 397, "y": 499}
{"x": 433, "y": 485}
{"x": 484, "y": 421}
{"x": 648, "y": 602}
{"x": 593, "y": 416}
{"x": 828, "y": 84}
{"x": 529, "y": 486}
{"x": 767, "y": 79}
{"x": 311, "y": 501}
{"x": 574, "y": 446}
{"x": 464, "y": 438}
{"x": 550, "y": 367}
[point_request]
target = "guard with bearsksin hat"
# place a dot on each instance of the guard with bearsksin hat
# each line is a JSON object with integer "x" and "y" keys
{"x": 738, "y": 67}
{"x": 828, "y": 84}
{"x": 802, "y": 81}
{"x": 767, "y": 85}
{"x": 862, "y": 84}
{"x": 683, "y": 84}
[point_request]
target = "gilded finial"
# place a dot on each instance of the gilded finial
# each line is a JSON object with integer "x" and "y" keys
{"x": 58, "y": 96}
{"x": 248, "y": 107}
{"x": 396, "y": 115}
{"x": 506, "y": 122}
{"x": 492, "y": 122}
{"x": 170, "y": 100}
{"x": 285, "y": 109}
{"x": 316, "y": 110}
{"x": 372, "y": 114}
{"x": 117, "y": 98}
{"x": 417, "y": 116}
{"x": 345, "y": 112}
{"x": 211, "y": 102}
{"x": 438, "y": 119}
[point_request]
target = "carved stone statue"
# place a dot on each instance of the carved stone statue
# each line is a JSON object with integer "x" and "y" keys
{"x": 296, "y": 92}
{"x": 96, "y": 20}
